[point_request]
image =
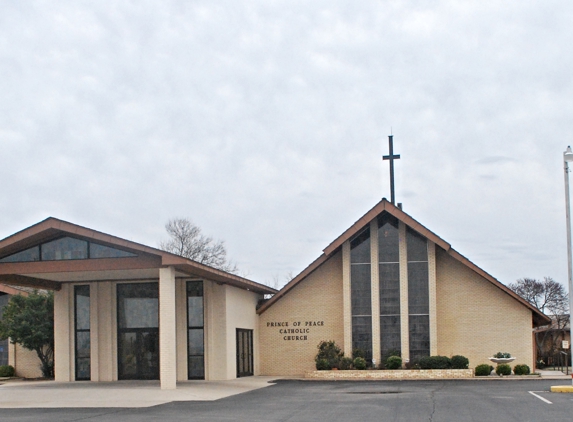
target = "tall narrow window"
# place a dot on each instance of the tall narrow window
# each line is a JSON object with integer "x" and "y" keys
{"x": 195, "y": 331}
{"x": 389, "y": 271}
{"x": 360, "y": 293}
{"x": 418, "y": 295}
{"x": 82, "y": 335}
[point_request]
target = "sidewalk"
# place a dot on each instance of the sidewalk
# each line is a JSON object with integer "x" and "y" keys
{"x": 553, "y": 375}
{"x": 51, "y": 394}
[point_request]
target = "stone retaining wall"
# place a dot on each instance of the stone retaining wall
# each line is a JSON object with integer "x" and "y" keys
{"x": 397, "y": 374}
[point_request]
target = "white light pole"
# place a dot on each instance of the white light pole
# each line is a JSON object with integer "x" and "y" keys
{"x": 567, "y": 157}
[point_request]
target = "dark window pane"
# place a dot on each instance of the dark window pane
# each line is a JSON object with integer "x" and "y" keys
{"x": 388, "y": 241}
{"x": 196, "y": 367}
{"x": 418, "y": 295}
{"x": 4, "y": 298}
{"x": 362, "y": 334}
{"x": 138, "y": 305}
{"x": 194, "y": 288}
{"x": 83, "y": 369}
{"x": 419, "y": 336}
{"x": 361, "y": 293}
{"x": 390, "y": 334}
{"x": 360, "y": 248}
{"x": 65, "y": 248}
{"x": 101, "y": 251}
{"x": 195, "y": 337}
{"x": 82, "y": 307}
{"x": 389, "y": 289}
{"x": 83, "y": 344}
{"x": 195, "y": 311}
{"x": 28, "y": 255}
{"x": 417, "y": 246}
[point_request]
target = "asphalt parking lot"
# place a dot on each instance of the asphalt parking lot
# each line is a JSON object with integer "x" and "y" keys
{"x": 457, "y": 401}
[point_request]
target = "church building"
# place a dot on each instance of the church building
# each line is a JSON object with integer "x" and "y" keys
{"x": 128, "y": 311}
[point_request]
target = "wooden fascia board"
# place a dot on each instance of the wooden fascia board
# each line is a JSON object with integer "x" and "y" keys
{"x": 37, "y": 283}
{"x": 218, "y": 276}
{"x": 538, "y": 317}
{"x": 11, "y": 290}
{"x": 103, "y": 264}
{"x": 307, "y": 271}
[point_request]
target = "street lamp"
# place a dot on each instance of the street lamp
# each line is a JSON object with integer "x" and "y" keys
{"x": 568, "y": 157}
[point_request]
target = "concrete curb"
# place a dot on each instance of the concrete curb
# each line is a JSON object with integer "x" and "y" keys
{"x": 562, "y": 389}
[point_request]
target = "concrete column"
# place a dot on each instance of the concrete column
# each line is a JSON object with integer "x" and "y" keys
{"x": 404, "y": 310}
{"x": 62, "y": 335}
{"x": 11, "y": 353}
{"x": 375, "y": 291}
{"x": 346, "y": 299}
{"x": 432, "y": 298}
{"x": 167, "y": 329}
{"x": 105, "y": 331}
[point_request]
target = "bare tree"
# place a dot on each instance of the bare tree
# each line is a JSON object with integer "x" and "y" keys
{"x": 187, "y": 240}
{"x": 549, "y": 297}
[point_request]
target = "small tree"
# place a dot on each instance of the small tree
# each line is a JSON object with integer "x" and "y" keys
{"x": 187, "y": 240}
{"x": 29, "y": 321}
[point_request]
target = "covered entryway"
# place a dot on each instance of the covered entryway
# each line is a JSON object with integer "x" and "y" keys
{"x": 244, "y": 352}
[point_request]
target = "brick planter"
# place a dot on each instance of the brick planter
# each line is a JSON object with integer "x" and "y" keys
{"x": 400, "y": 374}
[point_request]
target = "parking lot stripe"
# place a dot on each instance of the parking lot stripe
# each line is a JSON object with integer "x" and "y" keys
{"x": 539, "y": 397}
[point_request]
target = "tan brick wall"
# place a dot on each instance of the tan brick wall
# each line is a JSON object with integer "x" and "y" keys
{"x": 399, "y": 374}
{"x": 476, "y": 319}
{"x": 316, "y": 298}
{"x": 27, "y": 363}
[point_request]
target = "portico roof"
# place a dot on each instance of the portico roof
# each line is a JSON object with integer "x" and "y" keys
{"x": 385, "y": 206}
{"x": 145, "y": 263}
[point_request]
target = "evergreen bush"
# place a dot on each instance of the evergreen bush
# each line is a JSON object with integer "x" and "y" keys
{"x": 7, "y": 371}
{"x": 503, "y": 369}
{"x": 435, "y": 362}
{"x": 330, "y": 352}
{"x": 359, "y": 363}
{"x": 521, "y": 370}
{"x": 394, "y": 362}
{"x": 322, "y": 365}
{"x": 483, "y": 370}
{"x": 345, "y": 363}
{"x": 460, "y": 362}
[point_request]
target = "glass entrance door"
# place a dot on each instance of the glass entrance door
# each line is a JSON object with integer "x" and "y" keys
{"x": 138, "y": 331}
{"x": 244, "y": 352}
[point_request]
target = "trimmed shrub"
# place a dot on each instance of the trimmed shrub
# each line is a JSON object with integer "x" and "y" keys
{"x": 503, "y": 369}
{"x": 359, "y": 363}
{"x": 345, "y": 363}
{"x": 435, "y": 362}
{"x": 358, "y": 353}
{"x": 460, "y": 362}
{"x": 322, "y": 365}
{"x": 502, "y": 355}
{"x": 394, "y": 362}
{"x": 7, "y": 371}
{"x": 329, "y": 351}
{"x": 483, "y": 370}
{"x": 521, "y": 370}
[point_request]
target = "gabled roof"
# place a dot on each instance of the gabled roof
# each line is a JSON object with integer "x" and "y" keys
{"x": 30, "y": 273}
{"x": 384, "y": 206}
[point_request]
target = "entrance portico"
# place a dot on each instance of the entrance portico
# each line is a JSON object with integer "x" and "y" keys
{"x": 123, "y": 310}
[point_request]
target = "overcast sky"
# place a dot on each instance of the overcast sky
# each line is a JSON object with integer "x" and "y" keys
{"x": 264, "y": 122}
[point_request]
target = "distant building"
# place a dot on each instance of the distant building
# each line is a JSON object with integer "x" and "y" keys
{"x": 128, "y": 311}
